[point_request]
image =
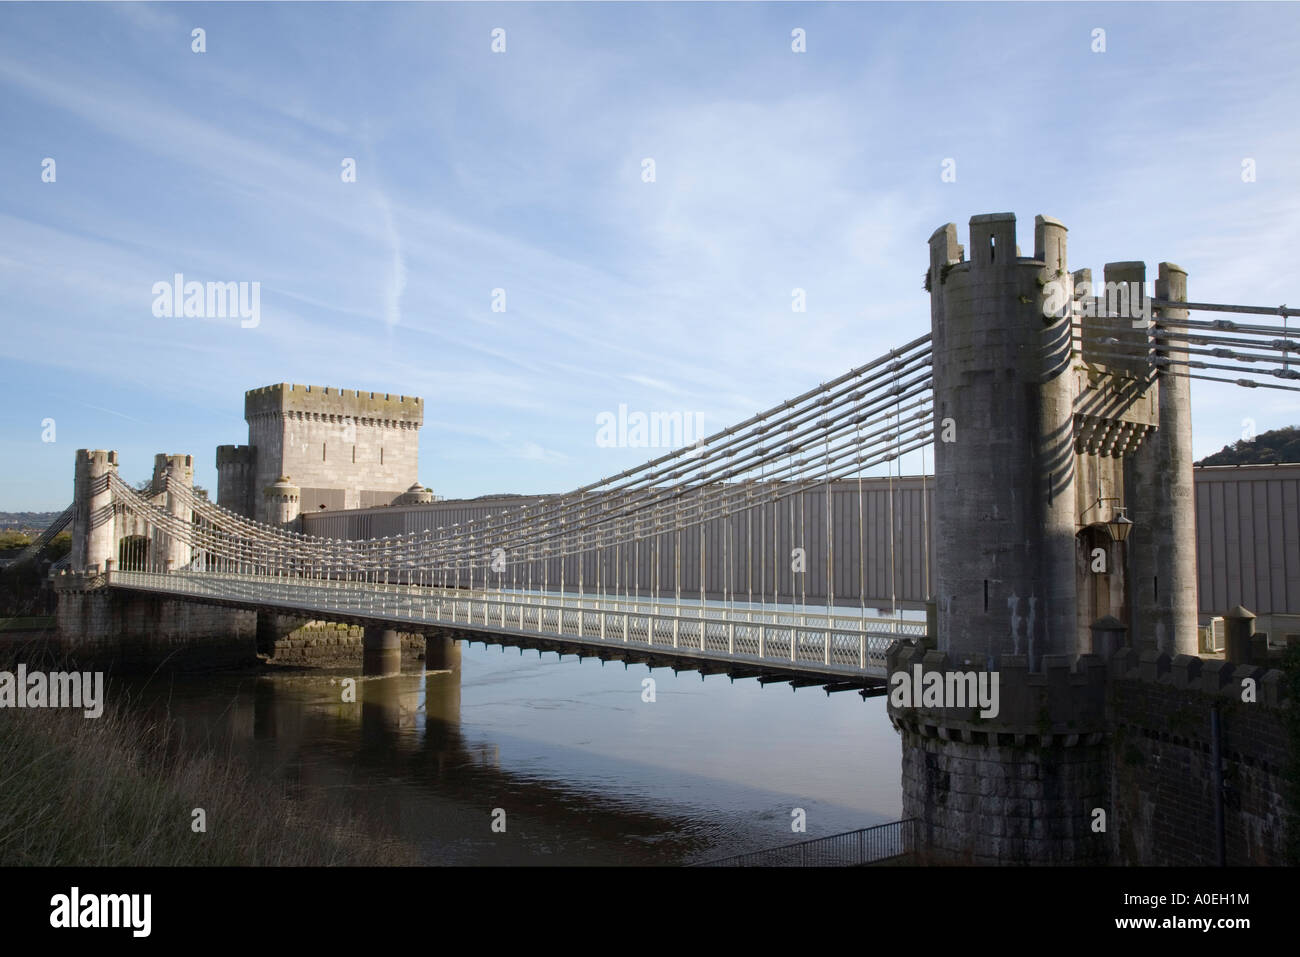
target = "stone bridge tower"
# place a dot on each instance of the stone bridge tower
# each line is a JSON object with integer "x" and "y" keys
{"x": 1052, "y": 424}
{"x": 1054, "y": 439}
{"x": 94, "y": 526}
{"x": 1004, "y": 468}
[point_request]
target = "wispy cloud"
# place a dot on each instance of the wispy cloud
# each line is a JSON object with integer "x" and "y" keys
{"x": 775, "y": 172}
{"x": 396, "y": 284}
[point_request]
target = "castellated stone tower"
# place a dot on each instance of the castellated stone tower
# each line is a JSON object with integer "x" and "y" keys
{"x": 1004, "y": 472}
{"x": 1159, "y": 484}
{"x": 94, "y": 526}
{"x": 1053, "y": 417}
{"x": 344, "y": 449}
{"x": 1047, "y": 436}
{"x": 235, "y": 478}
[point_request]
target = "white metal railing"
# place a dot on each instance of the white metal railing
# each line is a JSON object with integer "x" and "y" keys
{"x": 690, "y": 608}
{"x": 818, "y": 644}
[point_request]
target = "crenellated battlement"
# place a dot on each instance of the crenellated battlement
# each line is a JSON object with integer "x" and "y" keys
{"x": 1064, "y": 703}
{"x": 294, "y": 400}
{"x": 234, "y": 456}
{"x": 181, "y": 464}
{"x": 1213, "y": 678}
{"x": 1068, "y": 702}
{"x": 102, "y": 457}
{"x": 993, "y": 247}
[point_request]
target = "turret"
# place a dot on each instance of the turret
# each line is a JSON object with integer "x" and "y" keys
{"x": 94, "y": 528}
{"x": 1163, "y": 553}
{"x": 175, "y": 475}
{"x": 282, "y": 501}
{"x": 1004, "y": 462}
{"x": 235, "y": 465}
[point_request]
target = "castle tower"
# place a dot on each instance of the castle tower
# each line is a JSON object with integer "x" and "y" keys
{"x": 345, "y": 448}
{"x": 235, "y": 478}
{"x": 1043, "y": 442}
{"x": 1005, "y": 550}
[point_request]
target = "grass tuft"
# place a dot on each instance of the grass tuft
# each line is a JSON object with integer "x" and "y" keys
{"x": 121, "y": 789}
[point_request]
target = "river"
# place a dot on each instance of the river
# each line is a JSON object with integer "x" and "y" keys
{"x": 584, "y": 768}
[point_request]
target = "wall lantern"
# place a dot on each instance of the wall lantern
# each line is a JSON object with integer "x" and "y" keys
{"x": 1120, "y": 524}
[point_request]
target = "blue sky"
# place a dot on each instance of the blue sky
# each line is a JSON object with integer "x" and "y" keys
{"x": 522, "y": 171}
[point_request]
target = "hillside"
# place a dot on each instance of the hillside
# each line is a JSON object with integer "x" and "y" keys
{"x": 26, "y": 519}
{"x": 1268, "y": 448}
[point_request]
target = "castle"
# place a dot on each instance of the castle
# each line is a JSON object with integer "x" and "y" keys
{"x": 313, "y": 448}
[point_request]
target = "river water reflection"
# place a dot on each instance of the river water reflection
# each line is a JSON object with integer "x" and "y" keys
{"x": 586, "y": 770}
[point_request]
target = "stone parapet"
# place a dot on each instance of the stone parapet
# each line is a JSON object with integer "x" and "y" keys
{"x": 70, "y": 581}
{"x": 1214, "y": 677}
{"x": 1063, "y": 704}
{"x": 324, "y": 401}
{"x": 1098, "y": 760}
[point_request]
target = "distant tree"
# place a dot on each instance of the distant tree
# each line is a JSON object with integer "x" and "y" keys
{"x": 13, "y": 540}
{"x": 144, "y": 486}
{"x": 1275, "y": 447}
{"x": 59, "y": 546}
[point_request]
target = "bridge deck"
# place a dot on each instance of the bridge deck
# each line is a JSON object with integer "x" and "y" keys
{"x": 835, "y": 647}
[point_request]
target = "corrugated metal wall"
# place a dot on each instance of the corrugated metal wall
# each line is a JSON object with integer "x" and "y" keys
{"x": 732, "y": 568}
{"x": 1247, "y": 520}
{"x": 1248, "y": 538}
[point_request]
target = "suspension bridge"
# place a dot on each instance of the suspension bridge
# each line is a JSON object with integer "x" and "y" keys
{"x": 1057, "y": 421}
{"x": 698, "y": 559}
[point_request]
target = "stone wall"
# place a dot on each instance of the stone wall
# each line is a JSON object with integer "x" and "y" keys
{"x": 322, "y": 643}
{"x": 122, "y": 631}
{"x": 1162, "y": 773}
{"x": 1018, "y": 787}
{"x": 1129, "y": 736}
{"x": 1004, "y": 803}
